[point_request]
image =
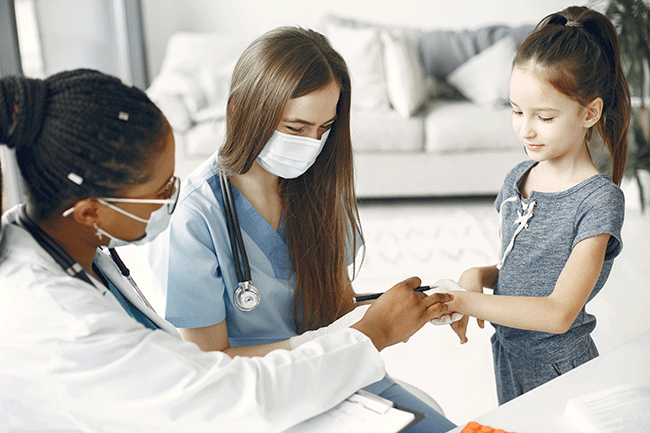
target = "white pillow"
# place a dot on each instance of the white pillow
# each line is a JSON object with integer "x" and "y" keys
{"x": 174, "y": 110}
{"x": 362, "y": 51}
{"x": 485, "y": 78}
{"x": 405, "y": 80}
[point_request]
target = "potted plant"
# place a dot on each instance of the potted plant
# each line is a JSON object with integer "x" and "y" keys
{"x": 632, "y": 21}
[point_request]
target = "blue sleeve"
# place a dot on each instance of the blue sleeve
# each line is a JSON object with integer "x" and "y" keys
{"x": 349, "y": 254}
{"x": 601, "y": 212}
{"x": 188, "y": 269}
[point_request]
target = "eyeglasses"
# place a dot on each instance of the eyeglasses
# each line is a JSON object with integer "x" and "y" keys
{"x": 172, "y": 190}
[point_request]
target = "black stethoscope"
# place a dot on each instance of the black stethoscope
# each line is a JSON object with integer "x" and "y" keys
{"x": 247, "y": 297}
{"x": 59, "y": 255}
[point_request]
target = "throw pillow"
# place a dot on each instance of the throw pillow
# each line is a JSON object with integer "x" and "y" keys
{"x": 362, "y": 50}
{"x": 405, "y": 80}
{"x": 485, "y": 78}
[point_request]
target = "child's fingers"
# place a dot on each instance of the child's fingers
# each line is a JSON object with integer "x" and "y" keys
{"x": 460, "y": 328}
{"x": 480, "y": 323}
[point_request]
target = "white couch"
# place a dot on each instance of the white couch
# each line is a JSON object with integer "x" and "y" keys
{"x": 429, "y": 108}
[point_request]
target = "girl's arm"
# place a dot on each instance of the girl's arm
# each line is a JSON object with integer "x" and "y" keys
{"x": 215, "y": 337}
{"x": 348, "y": 294}
{"x": 554, "y": 313}
{"x": 474, "y": 279}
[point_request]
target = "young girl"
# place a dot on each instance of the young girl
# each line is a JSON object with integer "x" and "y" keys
{"x": 287, "y": 158}
{"x": 560, "y": 218}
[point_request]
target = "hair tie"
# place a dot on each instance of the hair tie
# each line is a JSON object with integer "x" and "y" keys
{"x": 572, "y": 24}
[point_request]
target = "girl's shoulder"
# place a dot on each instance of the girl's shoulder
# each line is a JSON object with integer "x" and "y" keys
{"x": 601, "y": 192}
{"x": 516, "y": 173}
{"x": 201, "y": 187}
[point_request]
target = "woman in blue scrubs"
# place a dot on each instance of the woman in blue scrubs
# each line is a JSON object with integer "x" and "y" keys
{"x": 288, "y": 157}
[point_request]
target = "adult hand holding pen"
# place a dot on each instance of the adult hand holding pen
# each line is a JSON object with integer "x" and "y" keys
{"x": 400, "y": 312}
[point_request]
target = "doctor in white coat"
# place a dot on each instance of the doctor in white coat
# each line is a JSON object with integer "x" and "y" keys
{"x": 79, "y": 349}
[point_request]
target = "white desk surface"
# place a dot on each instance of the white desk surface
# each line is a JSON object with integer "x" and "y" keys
{"x": 542, "y": 409}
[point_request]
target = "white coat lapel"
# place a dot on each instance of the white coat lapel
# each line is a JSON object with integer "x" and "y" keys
{"x": 108, "y": 266}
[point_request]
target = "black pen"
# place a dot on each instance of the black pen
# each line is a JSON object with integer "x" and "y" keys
{"x": 362, "y": 298}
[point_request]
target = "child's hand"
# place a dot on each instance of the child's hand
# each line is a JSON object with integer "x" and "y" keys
{"x": 446, "y": 286}
{"x": 471, "y": 281}
{"x": 460, "y": 328}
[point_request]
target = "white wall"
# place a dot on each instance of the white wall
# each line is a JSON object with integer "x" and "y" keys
{"x": 254, "y": 17}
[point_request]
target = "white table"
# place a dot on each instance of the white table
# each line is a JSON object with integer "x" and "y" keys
{"x": 542, "y": 409}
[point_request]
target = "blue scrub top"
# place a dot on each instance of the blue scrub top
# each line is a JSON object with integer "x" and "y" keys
{"x": 193, "y": 261}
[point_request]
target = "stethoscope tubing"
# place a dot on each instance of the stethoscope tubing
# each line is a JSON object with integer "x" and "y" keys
{"x": 64, "y": 260}
{"x": 59, "y": 255}
{"x": 234, "y": 231}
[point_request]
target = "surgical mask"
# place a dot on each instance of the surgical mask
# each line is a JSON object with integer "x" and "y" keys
{"x": 158, "y": 220}
{"x": 156, "y": 224}
{"x": 289, "y": 156}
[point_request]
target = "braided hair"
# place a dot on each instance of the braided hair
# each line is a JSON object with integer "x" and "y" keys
{"x": 78, "y": 134}
{"x": 579, "y": 52}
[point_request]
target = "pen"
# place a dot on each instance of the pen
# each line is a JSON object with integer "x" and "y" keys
{"x": 362, "y": 298}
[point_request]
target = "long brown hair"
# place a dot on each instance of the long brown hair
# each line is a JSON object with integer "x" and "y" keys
{"x": 319, "y": 207}
{"x": 578, "y": 51}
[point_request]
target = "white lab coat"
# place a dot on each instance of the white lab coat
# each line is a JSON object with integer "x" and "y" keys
{"x": 71, "y": 359}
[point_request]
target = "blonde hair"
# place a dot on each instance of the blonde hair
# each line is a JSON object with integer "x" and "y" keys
{"x": 319, "y": 207}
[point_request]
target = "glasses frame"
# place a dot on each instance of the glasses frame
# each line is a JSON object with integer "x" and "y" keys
{"x": 174, "y": 184}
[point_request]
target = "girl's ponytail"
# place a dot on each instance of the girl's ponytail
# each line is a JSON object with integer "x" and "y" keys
{"x": 614, "y": 125}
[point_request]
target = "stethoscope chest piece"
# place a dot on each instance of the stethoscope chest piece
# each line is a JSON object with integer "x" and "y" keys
{"x": 247, "y": 297}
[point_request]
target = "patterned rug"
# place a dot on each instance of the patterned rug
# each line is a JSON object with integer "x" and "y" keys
{"x": 432, "y": 239}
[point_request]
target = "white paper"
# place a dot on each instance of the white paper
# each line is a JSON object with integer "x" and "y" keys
{"x": 624, "y": 409}
{"x": 361, "y": 413}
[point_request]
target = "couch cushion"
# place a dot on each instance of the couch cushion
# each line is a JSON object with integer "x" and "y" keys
{"x": 462, "y": 126}
{"x": 205, "y": 138}
{"x": 485, "y": 78}
{"x": 194, "y": 81}
{"x": 361, "y": 49}
{"x": 442, "y": 51}
{"x": 386, "y": 130}
{"x": 191, "y": 51}
{"x": 405, "y": 79}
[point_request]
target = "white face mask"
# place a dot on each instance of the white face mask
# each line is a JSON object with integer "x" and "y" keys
{"x": 156, "y": 224}
{"x": 289, "y": 156}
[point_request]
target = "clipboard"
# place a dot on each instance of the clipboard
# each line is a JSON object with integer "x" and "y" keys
{"x": 362, "y": 412}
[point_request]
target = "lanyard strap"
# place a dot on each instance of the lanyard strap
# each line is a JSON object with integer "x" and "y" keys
{"x": 234, "y": 231}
